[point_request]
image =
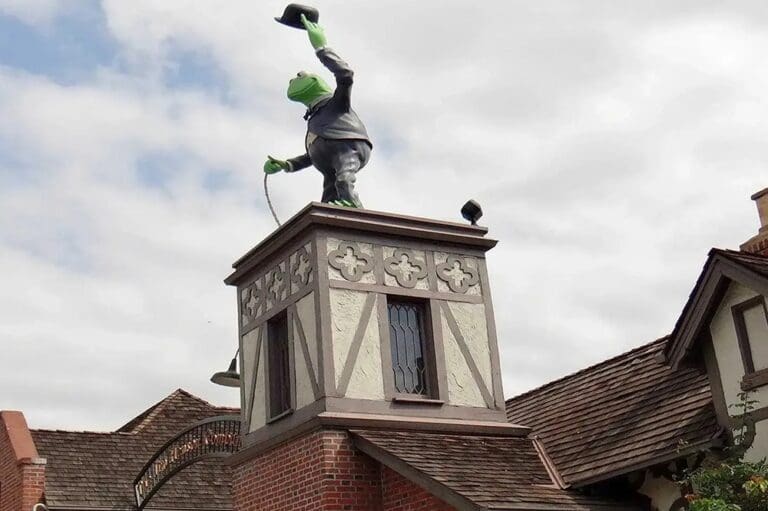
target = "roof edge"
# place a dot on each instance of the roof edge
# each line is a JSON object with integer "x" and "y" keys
{"x": 14, "y": 425}
{"x": 714, "y": 441}
{"x": 592, "y": 367}
{"x": 720, "y": 265}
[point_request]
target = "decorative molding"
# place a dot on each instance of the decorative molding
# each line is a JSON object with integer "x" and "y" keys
{"x": 253, "y": 301}
{"x": 403, "y": 291}
{"x": 301, "y": 267}
{"x": 458, "y": 274}
{"x": 289, "y": 277}
{"x": 350, "y": 260}
{"x": 405, "y": 267}
{"x": 277, "y": 285}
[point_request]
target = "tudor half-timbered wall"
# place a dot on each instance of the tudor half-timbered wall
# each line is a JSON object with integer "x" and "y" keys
{"x": 740, "y": 357}
{"x": 364, "y": 274}
{"x": 334, "y": 285}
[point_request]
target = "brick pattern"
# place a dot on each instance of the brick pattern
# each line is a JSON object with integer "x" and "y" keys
{"x": 22, "y": 481}
{"x": 10, "y": 476}
{"x": 400, "y": 494}
{"x": 757, "y": 246}
{"x": 33, "y": 489}
{"x": 320, "y": 471}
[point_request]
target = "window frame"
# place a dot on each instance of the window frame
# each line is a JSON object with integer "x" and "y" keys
{"x": 752, "y": 378}
{"x": 271, "y": 416}
{"x": 434, "y": 369}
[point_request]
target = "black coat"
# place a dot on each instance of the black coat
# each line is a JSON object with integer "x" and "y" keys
{"x": 333, "y": 118}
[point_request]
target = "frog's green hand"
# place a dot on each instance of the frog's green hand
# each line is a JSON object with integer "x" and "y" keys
{"x": 273, "y": 165}
{"x": 316, "y": 33}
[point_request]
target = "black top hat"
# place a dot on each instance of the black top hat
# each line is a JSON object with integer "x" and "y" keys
{"x": 292, "y": 15}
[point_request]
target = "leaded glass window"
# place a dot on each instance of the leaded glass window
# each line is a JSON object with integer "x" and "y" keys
{"x": 407, "y": 341}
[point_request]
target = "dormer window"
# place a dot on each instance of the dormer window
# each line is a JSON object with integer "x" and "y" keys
{"x": 751, "y": 320}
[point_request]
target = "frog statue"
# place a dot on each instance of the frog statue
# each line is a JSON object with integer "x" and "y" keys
{"x": 337, "y": 142}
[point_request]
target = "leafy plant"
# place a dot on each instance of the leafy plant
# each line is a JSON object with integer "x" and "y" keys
{"x": 732, "y": 484}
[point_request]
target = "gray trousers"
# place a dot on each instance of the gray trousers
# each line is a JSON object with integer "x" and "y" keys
{"x": 339, "y": 161}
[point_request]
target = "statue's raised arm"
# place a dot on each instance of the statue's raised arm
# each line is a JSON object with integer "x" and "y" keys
{"x": 336, "y": 142}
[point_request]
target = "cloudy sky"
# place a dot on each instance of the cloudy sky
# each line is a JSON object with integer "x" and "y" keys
{"x": 611, "y": 144}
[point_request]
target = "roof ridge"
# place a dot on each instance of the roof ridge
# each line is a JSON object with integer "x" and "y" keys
{"x": 201, "y": 400}
{"x": 78, "y": 431}
{"x": 740, "y": 253}
{"x": 153, "y": 411}
{"x": 592, "y": 367}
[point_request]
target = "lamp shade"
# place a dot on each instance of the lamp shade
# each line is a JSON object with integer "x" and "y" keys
{"x": 228, "y": 378}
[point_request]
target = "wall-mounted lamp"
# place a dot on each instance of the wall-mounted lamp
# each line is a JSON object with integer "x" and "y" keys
{"x": 230, "y": 377}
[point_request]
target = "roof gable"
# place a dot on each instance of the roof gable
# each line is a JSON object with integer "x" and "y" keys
{"x": 722, "y": 267}
{"x": 96, "y": 470}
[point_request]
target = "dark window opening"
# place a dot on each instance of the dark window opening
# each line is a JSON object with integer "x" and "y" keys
{"x": 279, "y": 365}
{"x": 408, "y": 343}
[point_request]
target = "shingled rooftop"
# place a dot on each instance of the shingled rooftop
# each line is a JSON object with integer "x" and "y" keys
{"x": 87, "y": 470}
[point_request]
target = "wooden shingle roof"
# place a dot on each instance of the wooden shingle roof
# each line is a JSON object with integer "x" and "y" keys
{"x": 626, "y": 413}
{"x": 96, "y": 470}
{"x": 476, "y": 472}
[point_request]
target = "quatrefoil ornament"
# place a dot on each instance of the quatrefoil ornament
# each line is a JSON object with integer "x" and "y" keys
{"x": 406, "y": 269}
{"x": 277, "y": 285}
{"x": 457, "y": 274}
{"x": 301, "y": 269}
{"x": 350, "y": 261}
{"x": 252, "y": 300}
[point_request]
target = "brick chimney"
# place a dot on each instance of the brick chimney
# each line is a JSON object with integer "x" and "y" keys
{"x": 758, "y": 244}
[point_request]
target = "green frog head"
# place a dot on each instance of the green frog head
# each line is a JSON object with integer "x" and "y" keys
{"x": 307, "y": 88}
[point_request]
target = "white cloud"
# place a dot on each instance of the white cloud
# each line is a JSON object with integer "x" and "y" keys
{"x": 610, "y": 146}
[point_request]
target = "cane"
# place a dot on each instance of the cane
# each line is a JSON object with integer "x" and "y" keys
{"x": 269, "y": 201}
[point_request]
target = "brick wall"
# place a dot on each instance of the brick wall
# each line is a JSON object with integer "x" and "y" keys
{"x": 319, "y": 471}
{"x": 400, "y": 494}
{"x": 22, "y": 473}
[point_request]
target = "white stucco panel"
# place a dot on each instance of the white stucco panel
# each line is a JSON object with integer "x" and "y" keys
{"x": 250, "y": 341}
{"x": 471, "y": 320}
{"x": 305, "y": 311}
{"x": 259, "y": 410}
{"x": 367, "y": 381}
{"x": 462, "y": 387}
{"x": 727, "y": 350}
{"x": 759, "y": 449}
{"x": 346, "y": 309}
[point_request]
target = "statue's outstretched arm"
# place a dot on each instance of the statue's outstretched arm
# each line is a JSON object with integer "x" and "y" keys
{"x": 298, "y": 163}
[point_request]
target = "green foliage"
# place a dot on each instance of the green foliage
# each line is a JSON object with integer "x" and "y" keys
{"x": 712, "y": 505}
{"x": 732, "y": 484}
